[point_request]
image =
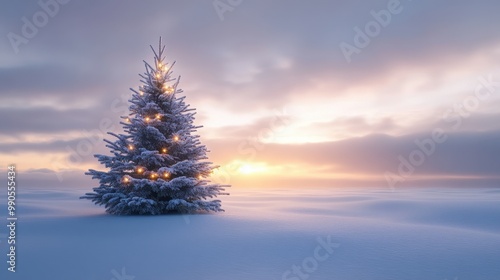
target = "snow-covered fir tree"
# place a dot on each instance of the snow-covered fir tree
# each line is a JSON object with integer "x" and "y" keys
{"x": 158, "y": 165}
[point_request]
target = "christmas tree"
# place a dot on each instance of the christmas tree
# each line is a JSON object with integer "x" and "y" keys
{"x": 157, "y": 166}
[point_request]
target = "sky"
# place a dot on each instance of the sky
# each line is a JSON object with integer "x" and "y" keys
{"x": 290, "y": 93}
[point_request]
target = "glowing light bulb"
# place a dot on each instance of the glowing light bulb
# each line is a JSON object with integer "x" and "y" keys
{"x": 199, "y": 177}
{"x": 141, "y": 93}
{"x": 166, "y": 175}
{"x": 126, "y": 179}
{"x": 140, "y": 170}
{"x": 168, "y": 89}
{"x": 158, "y": 75}
{"x": 164, "y": 150}
{"x": 176, "y": 138}
{"x": 127, "y": 119}
{"x": 158, "y": 116}
{"x": 146, "y": 119}
{"x": 153, "y": 175}
{"x": 131, "y": 147}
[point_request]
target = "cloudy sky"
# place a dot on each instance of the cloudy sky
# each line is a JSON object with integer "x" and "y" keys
{"x": 290, "y": 93}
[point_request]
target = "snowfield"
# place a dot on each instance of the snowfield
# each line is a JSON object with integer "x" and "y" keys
{"x": 295, "y": 234}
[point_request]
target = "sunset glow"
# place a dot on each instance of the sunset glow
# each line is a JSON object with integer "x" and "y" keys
{"x": 252, "y": 168}
{"x": 281, "y": 109}
{"x": 244, "y": 140}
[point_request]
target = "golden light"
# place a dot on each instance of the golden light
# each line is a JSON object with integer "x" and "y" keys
{"x": 158, "y": 75}
{"x": 200, "y": 177}
{"x": 176, "y": 138}
{"x": 251, "y": 168}
{"x": 168, "y": 89}
{"x": 140, "y": 170}
{"x": 146, "y": 119}
{"x": 153, "y": 175}
{"x": 166, "y": 175}
{"x": 164, "y": 150}
{"x": 127, "y": 120}
{"x": 125, "y": 179}
{"x": 131, "y": 147}
{"x": 158, "y": 116}
{"x": 141, "y": 93}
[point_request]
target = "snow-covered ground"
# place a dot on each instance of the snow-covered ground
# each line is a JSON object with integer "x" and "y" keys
{"x": 446, "y": 233}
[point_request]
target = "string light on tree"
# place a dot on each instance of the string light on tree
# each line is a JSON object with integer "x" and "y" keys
{"x": 168, "y": 89}
{"x": 160, "y": 122}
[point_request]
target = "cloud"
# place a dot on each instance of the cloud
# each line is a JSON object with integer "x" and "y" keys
{"x": 96, "y": 44}
{"x": 32, "y": 81}
{"x": 52, "y": 120}
{"x": 263, "y": 55}
{"x": 463, "y": 153}
{"x": 347, "y": 127}
{"x": 463, "y": 158}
